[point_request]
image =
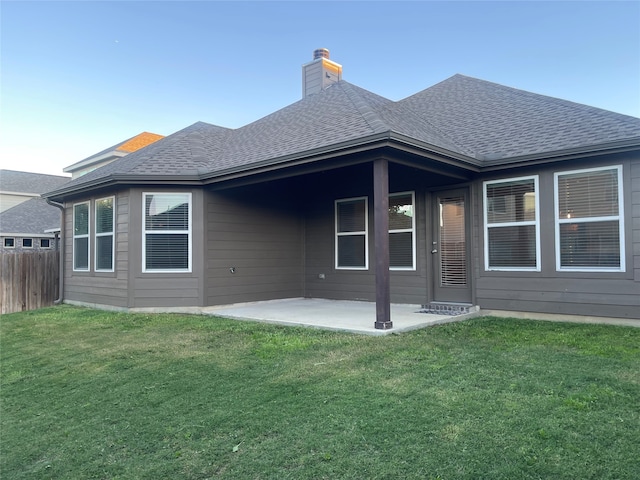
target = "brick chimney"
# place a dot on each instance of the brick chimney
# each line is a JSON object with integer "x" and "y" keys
{"x": 320, "y": 73}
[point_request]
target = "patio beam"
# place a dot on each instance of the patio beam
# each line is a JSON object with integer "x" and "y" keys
{"x": 381, "y": 243}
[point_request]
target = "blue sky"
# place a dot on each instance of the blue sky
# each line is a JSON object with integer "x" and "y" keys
{"x": 78, "y": 77}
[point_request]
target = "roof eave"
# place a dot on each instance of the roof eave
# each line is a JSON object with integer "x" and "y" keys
{"x": 114, "y": 154}
{"x": 608, "y": 148}
{"x": 121, "y": 179}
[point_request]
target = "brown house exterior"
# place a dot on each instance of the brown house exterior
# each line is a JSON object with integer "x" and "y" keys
{"x": 466, "y": 193}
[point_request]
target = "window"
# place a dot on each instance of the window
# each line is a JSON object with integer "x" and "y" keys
{"x": 401, "y": 231}
{"x": 9, "y": 243}
{"x": 81, "y": 237}
{"x": 167, "y": 232}
{"x": 45, "y": 243}
{"x": 27, "y": 243}
{"x": 352, "y": 245}
{"x": 589, "y": 220}
{"x": 511, "y": 219}
{"x": 104, "y": 241}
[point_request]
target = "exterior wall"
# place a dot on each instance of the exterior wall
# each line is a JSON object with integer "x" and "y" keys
{"x": 408, "y": 287}
{"x": 8, "y": 200}
{"x": 258, "y": 232}
{"x": 177, "y": 289}
{"x": 103, "y": 288}
{"x": 18, "y": 242}
{"x": 609, "y": 294}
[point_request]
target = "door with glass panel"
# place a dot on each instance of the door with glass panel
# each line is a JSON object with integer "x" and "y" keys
{"x": 449, "y": 247}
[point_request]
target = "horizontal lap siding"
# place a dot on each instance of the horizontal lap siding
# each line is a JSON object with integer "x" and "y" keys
{"x": 578, "y": 293}
{"x": 258, "y": 232}
{"x": 166, "y": 289}
{"x": 103, "y": 288}
{"x": 406, "y": 286}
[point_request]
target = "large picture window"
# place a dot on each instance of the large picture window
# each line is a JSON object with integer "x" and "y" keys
{"x": 511, "y": 219}
{"x": 352, "y": 249}
{"x": 81, "y": 237}
{"x": 104, "y": 241}
{"x": 589, "y": 220}
{"x": 167, "y": 232}
{"x": 402, "y": 231}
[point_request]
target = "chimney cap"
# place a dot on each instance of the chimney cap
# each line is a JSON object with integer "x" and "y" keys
{"x": 320, "y": 53}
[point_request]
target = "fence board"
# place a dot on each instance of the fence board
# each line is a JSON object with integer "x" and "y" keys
{"x": 29, "y": 280}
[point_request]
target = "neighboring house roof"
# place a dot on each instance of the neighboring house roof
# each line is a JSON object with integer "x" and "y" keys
{"x": 118, "y": 150}
{"x": 32, "y": 217}
{"x": 475, "y": 122}
{"x": 26, "y": 182}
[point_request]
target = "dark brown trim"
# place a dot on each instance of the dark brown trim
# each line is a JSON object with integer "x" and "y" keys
{"x": 381, "y": 242}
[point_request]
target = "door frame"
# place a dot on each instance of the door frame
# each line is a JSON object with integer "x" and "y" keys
{"x": 439, "y": 293}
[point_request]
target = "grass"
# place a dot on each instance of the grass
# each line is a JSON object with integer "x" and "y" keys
{"x": 91, "y": 394}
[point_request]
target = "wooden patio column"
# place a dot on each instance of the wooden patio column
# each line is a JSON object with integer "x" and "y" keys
{"x": 381, "y": 242}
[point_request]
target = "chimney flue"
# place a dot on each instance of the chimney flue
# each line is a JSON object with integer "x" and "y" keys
{"x": 320, "y": 53}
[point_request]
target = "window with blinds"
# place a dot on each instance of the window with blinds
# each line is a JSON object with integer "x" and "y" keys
{"x": 402, "y": 231}
{"x": 352, "y": 250}
{"x": 589, "y": 219}
{"x": 104, "y": 233}
{"x": 167, "y": 232}
{"x": 81, "y": 237}
{"x": 511, "y": 219}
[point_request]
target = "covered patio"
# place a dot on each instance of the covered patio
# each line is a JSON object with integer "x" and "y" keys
{"x": 338, "y": 315}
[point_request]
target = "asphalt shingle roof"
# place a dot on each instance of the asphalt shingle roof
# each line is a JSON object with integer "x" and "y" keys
{"x": 26, "y": 182}
{"x": 468, "y": 117}
{"x": 31, "y": 217}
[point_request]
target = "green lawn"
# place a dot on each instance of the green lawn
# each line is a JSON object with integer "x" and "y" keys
{"x": 91, "y": 394}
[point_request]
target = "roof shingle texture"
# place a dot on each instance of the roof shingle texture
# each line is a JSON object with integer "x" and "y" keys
{"x": 463, "y": 115}
{"x": 31, "y": 217}
{"x": 27, "y": 182}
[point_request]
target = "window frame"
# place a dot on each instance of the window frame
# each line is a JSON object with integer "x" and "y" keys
{"x": 13, "y": 241}
{"x": 27, "y": 246}
{"x": 535, "y": 223}
{"x": 96, "y": 235}
{"x": 364, "y": 232}
{"x": 146, "y": 232}
{"x": 87, "y": 236}
{"x": 48, "y": 240}
{"x": 412, "y": 230}
{"x": 619, "y": 218}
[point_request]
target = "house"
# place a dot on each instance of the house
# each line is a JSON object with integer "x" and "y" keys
{"x": 110, "y": 154}
{"x": 465, "y": 193}
{"x": 27, "y": 222}
{"x": 17, "y": 187}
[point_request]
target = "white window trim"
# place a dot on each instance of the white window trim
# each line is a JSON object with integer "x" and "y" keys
{"x": 4, "y": 244}
{"x": 411, "y": 230}
{"x": 87, "y": 236}
{"x": 157, "y": 232}
{"x": 344, "y": 234}
{"x": 535, "y": 222}
{"x": 112, "y": 233}
{"x": 42, "y": 240}
{"x": 620, "y": 218}
{"x": 28, "y": 238}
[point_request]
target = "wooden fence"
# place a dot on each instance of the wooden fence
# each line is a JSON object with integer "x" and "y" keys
{"x": 29, "y": 280}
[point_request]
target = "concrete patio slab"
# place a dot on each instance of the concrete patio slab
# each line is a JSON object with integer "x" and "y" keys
{"x": 348, "y": 316}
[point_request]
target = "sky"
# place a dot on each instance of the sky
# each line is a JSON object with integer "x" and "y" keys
{"x": 78, "y": 77}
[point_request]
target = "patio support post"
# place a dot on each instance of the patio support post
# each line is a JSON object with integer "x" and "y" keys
{"x": 381, "y": 242}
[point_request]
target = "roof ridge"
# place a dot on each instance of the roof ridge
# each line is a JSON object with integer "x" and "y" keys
{"x": 407, "y": 106}
{"x": 369, "y": 114}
